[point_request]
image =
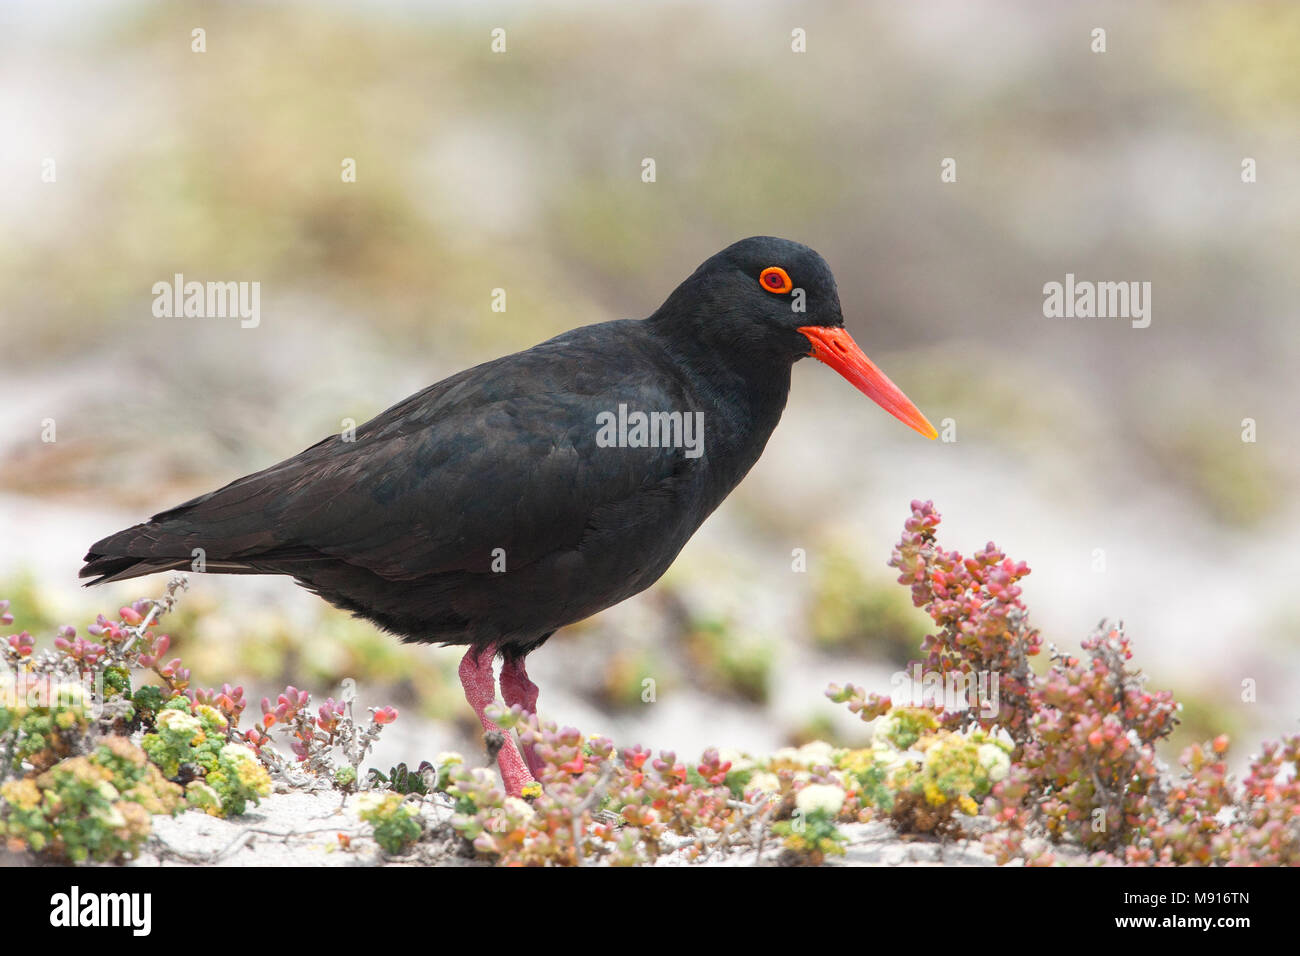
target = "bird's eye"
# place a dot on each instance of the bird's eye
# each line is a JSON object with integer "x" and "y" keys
{"x": 775, "y": 279}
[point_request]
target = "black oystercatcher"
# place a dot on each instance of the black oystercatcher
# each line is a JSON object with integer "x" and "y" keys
{"x": 534, "y": 490}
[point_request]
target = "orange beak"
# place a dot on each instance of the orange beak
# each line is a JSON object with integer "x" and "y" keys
{"x": 836, "y": 348}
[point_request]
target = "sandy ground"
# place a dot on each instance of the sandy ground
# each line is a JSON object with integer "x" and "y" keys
{"x": 311, "y": 829}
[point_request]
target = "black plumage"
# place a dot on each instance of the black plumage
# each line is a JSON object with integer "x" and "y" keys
{"x": 408, "y": 524}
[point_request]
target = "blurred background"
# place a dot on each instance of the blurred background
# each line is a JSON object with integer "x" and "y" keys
{"x": 1076, "y": 439}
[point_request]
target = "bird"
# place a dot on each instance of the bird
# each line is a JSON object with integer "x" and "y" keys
{"x": 532, "y": 491}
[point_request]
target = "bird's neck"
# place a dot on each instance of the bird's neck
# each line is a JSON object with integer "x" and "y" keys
{"x": 743, "y": 393}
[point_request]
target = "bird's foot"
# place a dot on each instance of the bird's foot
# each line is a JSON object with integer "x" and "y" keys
{"x": 515, "y": 775}
{"x": 480, "y": 690}
{"x": 518, "y": 688}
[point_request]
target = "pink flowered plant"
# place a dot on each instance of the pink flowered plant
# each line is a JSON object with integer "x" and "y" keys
{"x": 1085, "y": 775}
{"x": 131, "y": 643}
{"x": 229, "y": 700}
{"x": 20, "y": 645}
{"x": 982, "y": 623}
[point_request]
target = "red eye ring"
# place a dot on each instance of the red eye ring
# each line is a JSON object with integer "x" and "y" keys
{"x": 775, "y": 279}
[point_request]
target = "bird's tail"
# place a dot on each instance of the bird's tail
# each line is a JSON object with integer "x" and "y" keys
{"x": 181, "y": 538}
{"x": 227, "y": 531}
{"x": 137, "y": 551}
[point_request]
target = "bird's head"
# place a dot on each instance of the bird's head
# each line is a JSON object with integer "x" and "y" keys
{"x": 776, "y": 299}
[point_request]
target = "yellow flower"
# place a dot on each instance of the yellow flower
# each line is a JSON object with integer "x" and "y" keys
{"x": 238, "y": 753}
{"x": 180, "y": 723}
{"x": 252, "y": 775}
{"x": 995, "y": 761}
{"x": 820, "y": 796}
{"x": 23, "y": 794}
{"x": 201, "y": 796}
{"x": 739, "y": 761}
{"x": 856, "y": 761}
{"x": 371, "y": 800}
{"x": 817, "y": 752}
{"x": 520, "y": 807}
{"x": 213, "y": 716}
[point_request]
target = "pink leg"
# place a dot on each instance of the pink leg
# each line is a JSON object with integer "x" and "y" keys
{"x": 480, "y": 690}
{"x": 516, "y": 688}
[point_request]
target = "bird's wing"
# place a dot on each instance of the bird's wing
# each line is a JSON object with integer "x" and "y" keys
{"x": 502, "y": 456}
